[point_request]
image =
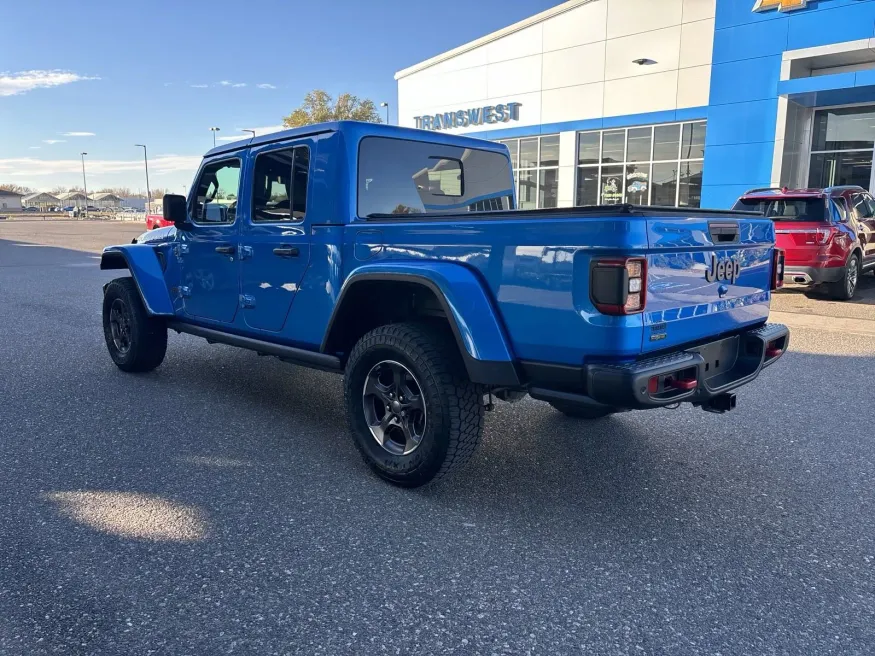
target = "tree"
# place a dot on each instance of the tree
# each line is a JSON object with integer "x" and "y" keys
{"x": 121, "y": 192}
{"x": 18, "y": 189}
{"x": 319, "y": 107}
{"x": 57, "y": 191}
{"x": 158, "y": 193}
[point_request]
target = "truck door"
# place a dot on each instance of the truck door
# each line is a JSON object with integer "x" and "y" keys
{"x": 275, "y": 241}
{"x": 208, "y": 249}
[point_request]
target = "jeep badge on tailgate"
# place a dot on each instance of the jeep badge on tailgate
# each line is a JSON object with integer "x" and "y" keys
{"x": 727, "y": 268}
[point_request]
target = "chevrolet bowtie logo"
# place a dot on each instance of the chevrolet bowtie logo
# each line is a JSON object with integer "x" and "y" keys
{"x": 780, "y": 5}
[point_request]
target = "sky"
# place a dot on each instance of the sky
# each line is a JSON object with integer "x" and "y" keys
{"x": 99, "y": 76}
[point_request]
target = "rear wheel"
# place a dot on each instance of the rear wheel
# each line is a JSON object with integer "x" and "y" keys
{"x": 581, "y": 411}
{"x": 136, "y": 341}
{"x": 414, "y": 415}
{"x": 844, "y": 289}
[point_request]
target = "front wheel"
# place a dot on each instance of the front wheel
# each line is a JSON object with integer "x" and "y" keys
{"x": 844, "y": 289}
{"x": 413, "y": 413}
{"x": 136, "y": 341}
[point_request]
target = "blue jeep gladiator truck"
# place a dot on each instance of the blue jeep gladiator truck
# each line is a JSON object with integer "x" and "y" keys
{"x": 397, "y": 258}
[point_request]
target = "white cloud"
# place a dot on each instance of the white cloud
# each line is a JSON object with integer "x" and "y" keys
{"x": 12, "y": 84}
{"x": 35, "y": 147}
{"x": 33, "y": 168}
{"x": 199, "y": 86}
{"x": 265, "y": 86}
{"x": 238, "y": 85}
{"x": 225, "y": 83}
{"x": 168, "y": 84}
{"x": 78, "y": 134}
{"x": 268, "y": 129}
{"x": 54, "y": 141}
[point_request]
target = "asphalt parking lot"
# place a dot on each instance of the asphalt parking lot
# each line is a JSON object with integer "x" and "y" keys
{"x": 217, "y": 505}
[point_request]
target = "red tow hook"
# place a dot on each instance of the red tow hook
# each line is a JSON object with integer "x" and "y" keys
{"x": 685, "y": 385}
{"x": 773, "y": 352}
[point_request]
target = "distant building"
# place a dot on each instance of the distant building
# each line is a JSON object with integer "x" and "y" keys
{"x": 106, "y": 201}
{"x": 41, "y": 201}
{"x": 74, "y": 198}
{"x": 134, "y": 202}
{"x": 10, "y": 201}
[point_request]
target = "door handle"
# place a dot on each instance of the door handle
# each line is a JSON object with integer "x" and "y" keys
{"x": 286, "y": 251}
{"x": 226, "y": 250}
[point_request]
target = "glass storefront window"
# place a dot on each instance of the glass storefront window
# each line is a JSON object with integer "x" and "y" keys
{"x": 693, "y": 141}
{"x": 528, "y": 193}
{"x": 665, "y": 183}
{"x": 588, "y": 144}
{"x": 648, "y": 165}
{"x": 588, "y": 186}
{"x": 611, "y": 185}
{"x": 845, "y": 128}
{"x": 548, "y": 188}
{"x": 841, "y": 147}
{"x": 665, "y": 142}
{"x": 614, "y": 147}
{"x": 638, "y": 147}
{"x": 690, "y": 187}
{"x": 549, "y": 151}
{"x": 637, "y": 184}
{"x": 536, "y": 170}
{"x": 528, "y": 153}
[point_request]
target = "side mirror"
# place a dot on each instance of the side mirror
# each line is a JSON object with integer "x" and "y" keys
{"x": 176, "y": 210}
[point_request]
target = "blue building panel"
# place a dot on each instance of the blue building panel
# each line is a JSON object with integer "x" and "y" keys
{"x": 750, "y": 41}
{"x": 745, "y": 122}
{"x": 742, "y": 164}
{"x": 745, "y": 80}
{"x": 830, "y": 22}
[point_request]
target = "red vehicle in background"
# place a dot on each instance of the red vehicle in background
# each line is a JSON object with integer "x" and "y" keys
{"x": 828, "y": 235}
{"x": 156, "y": 221}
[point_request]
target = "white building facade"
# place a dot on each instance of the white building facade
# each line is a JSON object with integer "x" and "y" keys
{"x": 599, "y": 101}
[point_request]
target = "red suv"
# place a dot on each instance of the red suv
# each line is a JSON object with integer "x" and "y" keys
{"x": 828, "y": 235}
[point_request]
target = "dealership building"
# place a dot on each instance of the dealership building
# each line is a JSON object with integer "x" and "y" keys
{"x": 664, "y": 102}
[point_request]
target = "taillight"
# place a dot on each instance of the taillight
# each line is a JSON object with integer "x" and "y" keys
{"x": 619, "y": 286}
{"x": 777, "y": 269}
{"x": 824, "y": 235}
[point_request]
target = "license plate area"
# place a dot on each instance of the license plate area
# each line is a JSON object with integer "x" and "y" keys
{"x": 724, "y": 362}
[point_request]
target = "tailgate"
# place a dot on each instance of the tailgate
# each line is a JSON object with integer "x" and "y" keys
{"x": 802, "y": 241}
{"x": 706, "y": 276}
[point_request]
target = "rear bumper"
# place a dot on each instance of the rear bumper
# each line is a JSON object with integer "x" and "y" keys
{"x": 717, "y": 367}
{"x": 803, "y": 275}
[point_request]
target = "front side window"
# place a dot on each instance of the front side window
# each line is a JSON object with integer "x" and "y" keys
{"x": 398, "y": 177}
{"x": 279, "y": 187}
{"x": 215, "y": 198}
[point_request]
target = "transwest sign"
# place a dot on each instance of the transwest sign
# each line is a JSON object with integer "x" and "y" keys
{"x": 780, "y": 5}
{"x": 464, "y": 118}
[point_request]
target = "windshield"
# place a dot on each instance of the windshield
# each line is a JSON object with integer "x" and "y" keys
{"x": 785, "y": 209}
{"x": 398, "y": 177}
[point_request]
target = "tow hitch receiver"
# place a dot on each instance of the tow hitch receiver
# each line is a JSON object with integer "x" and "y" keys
{"x": 720, "y": 403}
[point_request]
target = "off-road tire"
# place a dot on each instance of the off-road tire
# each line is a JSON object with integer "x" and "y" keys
{"x": 454, "y": 419}
{"x": 581, "y": 411}
{"x": 147, "y": 335}
{"x": 844, "y": 289}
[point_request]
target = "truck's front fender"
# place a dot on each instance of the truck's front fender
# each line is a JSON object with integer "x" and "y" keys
{"x": 145, "y": 267}
{"x": 468, "y": 306}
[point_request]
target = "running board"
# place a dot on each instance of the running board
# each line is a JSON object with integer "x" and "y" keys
{"x": 285, "y": 353}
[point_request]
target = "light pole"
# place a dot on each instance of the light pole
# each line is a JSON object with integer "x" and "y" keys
{"x": 148, "y": 191}
{"x": 214, "y": 130}
{"x": 252, "y": 131}
{"x": 386, "y": 105}
{"x": 85, "y": 184}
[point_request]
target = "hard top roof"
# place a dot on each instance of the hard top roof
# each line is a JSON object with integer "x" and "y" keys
{"x": 356, "y": 130}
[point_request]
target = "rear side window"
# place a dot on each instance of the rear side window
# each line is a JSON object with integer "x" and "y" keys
{"x": 399, "y": 177}
{"x": 785, "y": 209}
{"x": 279, "y": 186}
{"x": 863, "y": 206}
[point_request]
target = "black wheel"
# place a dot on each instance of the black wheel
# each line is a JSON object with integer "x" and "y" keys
{"x": 844, "y": 289}
{"x": 136, "y": 341}
{"x": 581, "y": 411}
{"x": 413, "y": 412}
